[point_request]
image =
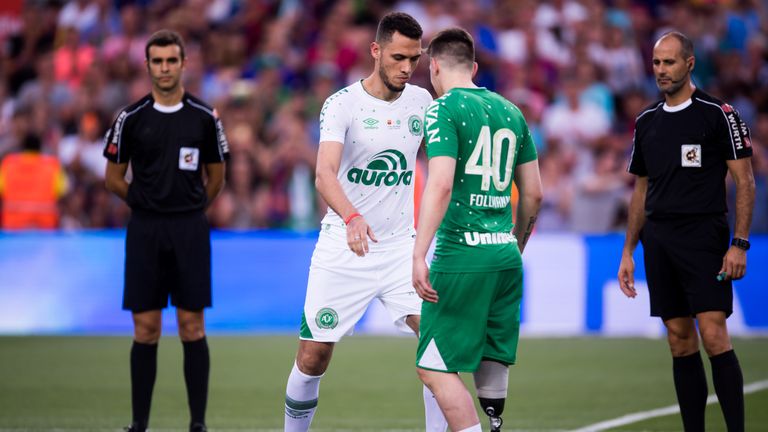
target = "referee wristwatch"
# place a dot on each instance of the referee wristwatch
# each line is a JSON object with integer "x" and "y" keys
{"x": 740, "y": 243}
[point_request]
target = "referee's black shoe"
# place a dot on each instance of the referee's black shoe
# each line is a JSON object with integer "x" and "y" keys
{"x": 135, "y": 427}
{"x": 198, "y": 427}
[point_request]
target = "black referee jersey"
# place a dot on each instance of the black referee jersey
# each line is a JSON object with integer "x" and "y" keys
{"x": 167, "y": 148}
{"x": 683, "y": 151}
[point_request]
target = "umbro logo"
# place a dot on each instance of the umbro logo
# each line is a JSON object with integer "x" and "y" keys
{"x": 371, "y": 123}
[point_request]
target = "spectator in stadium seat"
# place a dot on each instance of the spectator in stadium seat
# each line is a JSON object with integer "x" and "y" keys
{"x": 128, "y": 43}
{"x": 82, "y": 15}
{"x": 479, "y": 22}
{"x": 293, "y": 160}
{"x": 577, "y": 124}
{"x": 170, "y": 139}
{"x": 72, "y": 59}
{"x": 477, "y": 143}
{"x": 598, "y": 197}
{"x": 370, "y": 133}
{"x": 556, "y": 182}
{"x": 594, "y": 92}
{"x": 620, "y": 59}
{"x": 684, "y": 146}
{"x": 17, "y": 127}
{"x": 73, "y": 209}
{"x": 81, "y": 152}
{"x": 45, "y": 89}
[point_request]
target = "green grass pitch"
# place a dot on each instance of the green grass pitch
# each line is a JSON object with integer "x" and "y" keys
{"x": 81, "y": 383}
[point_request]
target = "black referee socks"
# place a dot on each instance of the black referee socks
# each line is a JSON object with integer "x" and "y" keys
{"x": 143, "y": 372}
{"x": 729, "y": 387}
{"x": 691, "y": 388}
{"x": 197, "y": 365}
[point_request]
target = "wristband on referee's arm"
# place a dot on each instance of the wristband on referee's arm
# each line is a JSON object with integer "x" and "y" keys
{"x": 740, "y": 243}
{"x": 350, "y": 217}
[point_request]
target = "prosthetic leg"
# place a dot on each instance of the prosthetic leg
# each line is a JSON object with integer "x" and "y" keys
{"x": 491, "y": 381}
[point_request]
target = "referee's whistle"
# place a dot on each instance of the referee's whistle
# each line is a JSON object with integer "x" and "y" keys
{"x": 721, "y": 276}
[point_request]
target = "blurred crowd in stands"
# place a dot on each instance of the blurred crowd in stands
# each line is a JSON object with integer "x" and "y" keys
{"x": 579, "y": 69}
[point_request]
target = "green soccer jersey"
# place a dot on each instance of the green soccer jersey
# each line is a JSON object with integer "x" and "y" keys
{"x": 488, "y": 137}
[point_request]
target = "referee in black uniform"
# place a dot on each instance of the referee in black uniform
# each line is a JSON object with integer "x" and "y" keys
{"x": 684, "y": 145}
{"x": 170, "y": 138}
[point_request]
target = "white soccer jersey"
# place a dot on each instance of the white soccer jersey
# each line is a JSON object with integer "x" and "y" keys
{"x": 381, "y": 140}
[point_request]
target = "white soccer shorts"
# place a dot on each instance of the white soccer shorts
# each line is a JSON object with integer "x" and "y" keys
{"x": 341, "y": 285}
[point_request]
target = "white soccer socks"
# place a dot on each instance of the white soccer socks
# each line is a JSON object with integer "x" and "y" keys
{"x": 432, "y": 414}
{"x": 301, "y": 395}
{"x": 475, "y": 428}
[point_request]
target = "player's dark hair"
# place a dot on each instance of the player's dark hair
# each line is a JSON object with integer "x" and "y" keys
{"x": 164, "y": 38}
{"x": 397, "y": 22}
{"x": 455, "y": 45}
{"x": 686, "y": 49}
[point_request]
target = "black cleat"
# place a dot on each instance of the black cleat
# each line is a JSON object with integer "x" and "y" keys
{"x": 496, "y": 423}
{"x": 198, "y": 427}
{"x": 135, "y": 427}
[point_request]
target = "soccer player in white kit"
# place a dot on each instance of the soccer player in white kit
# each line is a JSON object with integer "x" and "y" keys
{"x": 370, "y": 133}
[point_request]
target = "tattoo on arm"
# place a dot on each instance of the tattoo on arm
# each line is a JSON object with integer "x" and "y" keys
{"x": 528, "y": 231}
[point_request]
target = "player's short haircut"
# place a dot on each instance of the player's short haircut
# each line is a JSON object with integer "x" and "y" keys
{"x": 686, "y": 45}
{"x": 454, "y": 45}
{"x": 164, "y": 38}
{"x": 397, "y": 22}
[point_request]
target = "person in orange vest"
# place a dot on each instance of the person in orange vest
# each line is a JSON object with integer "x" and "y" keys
{"x": 31, "y": 184}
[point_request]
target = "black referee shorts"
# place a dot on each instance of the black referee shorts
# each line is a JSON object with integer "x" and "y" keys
{"x": 167, "y": 254}
{"x": 682, "y": 259}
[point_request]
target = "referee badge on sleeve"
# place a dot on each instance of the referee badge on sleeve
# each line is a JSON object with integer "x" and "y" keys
{"x": 690, "y": 155}
{"x": 188, "y": 158}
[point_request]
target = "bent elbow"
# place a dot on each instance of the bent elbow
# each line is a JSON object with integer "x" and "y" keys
{"x": 538, "y": 197}
{"x": 440, "y": 188}
{"x": 321, "y": 178}
{"x": 534, "y": 196}
{"x": 751, "y": 185}
{"x": 445, "y": 189}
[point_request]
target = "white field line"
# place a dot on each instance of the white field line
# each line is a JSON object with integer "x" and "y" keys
{"x": 597, "y": 427}
{"x": 659, "y": 412}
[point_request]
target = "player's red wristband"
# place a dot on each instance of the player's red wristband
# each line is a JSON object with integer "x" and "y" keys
{"x": 350, "y": 217}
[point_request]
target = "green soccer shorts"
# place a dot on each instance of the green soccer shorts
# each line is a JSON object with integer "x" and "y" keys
{"x": 477, "y": 317}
